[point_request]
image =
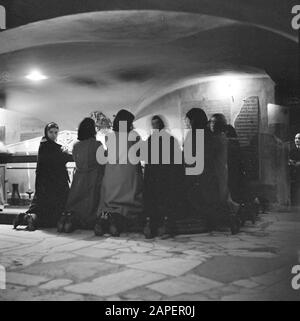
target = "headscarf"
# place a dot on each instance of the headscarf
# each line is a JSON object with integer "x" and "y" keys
{"x": 123, "y": 115}
{"x": 47, "y": 128}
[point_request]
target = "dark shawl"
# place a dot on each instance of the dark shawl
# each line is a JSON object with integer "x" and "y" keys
{"x": 52, "y": 183}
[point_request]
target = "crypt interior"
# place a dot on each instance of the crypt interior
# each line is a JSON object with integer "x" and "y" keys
{"x": 62, "y": 63}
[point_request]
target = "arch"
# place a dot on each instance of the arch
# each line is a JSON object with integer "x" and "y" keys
{"x": 274, "y": 15}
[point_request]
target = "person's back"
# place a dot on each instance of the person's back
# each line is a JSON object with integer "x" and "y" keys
{"x": 84, "y": 197}
{"x": 122, "y": 188}
{"x": 84, "y": 154}
{"x": 202, "y": 191}
{"x": 121, "y": 191}
{"x": 162, "y": 183}
{"x": 85, "y": 189}
{"x": 221, "y": 167}
{"x": 235, "y": 170}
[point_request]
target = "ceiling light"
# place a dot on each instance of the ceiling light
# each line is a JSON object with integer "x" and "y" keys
{"x": 36, "y": 75}
{"x": 227, "y": 86}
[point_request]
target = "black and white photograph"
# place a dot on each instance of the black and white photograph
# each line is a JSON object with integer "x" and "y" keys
{"x": 149, "y": 153}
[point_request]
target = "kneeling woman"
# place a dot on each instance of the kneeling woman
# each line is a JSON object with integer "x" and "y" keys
{"x": 122, "y": 186}
{"x": 84, "y": 195}
{"x": 162, "y": 183}
{"x": 51, "y": 185}
{"x": 202, "y": 191}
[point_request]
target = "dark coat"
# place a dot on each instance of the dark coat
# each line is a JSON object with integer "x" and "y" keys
{"x": 294, "y": 155}
{"x": 51, "y": 185}
{"x": 202, "y": 191}
{"x": 207, "y": 193}
{"x": 163, "y": 182}
{"x": 235, "y": 170}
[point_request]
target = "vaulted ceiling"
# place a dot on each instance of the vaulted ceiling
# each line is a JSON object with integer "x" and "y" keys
{"x": 110, "y": 54}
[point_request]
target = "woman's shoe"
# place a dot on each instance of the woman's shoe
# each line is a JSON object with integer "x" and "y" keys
{"x": 242, "y": 214}
{"x": 31, "y": 222}
{"x": 147, "y": 229}
{"x": 234, "y": 224}
{"x": 114, "y": 225}
{"x": 165, "y": 229}
{"x": 98, "y": 229}
{"x": 61, "y": 223}
{"x": 19, "y": 220}
{"x": 101, "y": 226}
{"x": 69, "y": 226}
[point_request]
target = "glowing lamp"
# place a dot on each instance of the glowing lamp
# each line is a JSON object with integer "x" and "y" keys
{"x": 36, "y": 76}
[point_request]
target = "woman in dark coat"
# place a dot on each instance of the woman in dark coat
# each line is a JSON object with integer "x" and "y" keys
{"x": 229, "y": 209}
{"x": 217, "y": 126}
{"x": 161, "y": 184}
{"x": 51, "y": 185}
{"x": 84, "y": 197}
{"x": 235, "y": 168}
{"x": 202, "y": 191}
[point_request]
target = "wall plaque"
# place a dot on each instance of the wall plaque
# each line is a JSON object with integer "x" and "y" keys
{"x": 247, "y": 121}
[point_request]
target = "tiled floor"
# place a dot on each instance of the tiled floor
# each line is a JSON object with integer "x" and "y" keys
{"x": 254, "y": 265}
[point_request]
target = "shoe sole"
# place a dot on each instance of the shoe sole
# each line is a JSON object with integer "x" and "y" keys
{"x": 114, "y": 231}
{"x": 31, "y": 223}
{"x": 98, "y": 230}
{"x": 147, "y": 233}
{"x": 69, "y": 228}
{"x": 60, "y": 227}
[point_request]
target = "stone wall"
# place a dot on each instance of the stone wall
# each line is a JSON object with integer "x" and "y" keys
{"x": 219, "y": 95}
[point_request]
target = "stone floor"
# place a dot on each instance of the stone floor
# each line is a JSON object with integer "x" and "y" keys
{"x": 254, "y": 265}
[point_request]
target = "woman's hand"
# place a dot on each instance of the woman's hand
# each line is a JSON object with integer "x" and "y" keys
{"x": 64, "y": 149}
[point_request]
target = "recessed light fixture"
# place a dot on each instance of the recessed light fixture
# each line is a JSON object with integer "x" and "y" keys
{"x": 36, "y": 75}
{"x": 228, "y": 85}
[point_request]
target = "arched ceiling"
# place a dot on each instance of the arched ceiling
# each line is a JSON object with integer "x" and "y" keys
{"x": 272, "y": 14}
{"x": 112, "y": 27}
{"x": 122, "y": 58}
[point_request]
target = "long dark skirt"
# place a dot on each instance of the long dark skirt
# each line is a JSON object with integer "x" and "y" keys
{"x": 236, "y": 180}
{"x": 49, "y": 200}
{"x": 162, "y": 186}
{"x": 84, "y": 196}
{"x": 203, "y": 198}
